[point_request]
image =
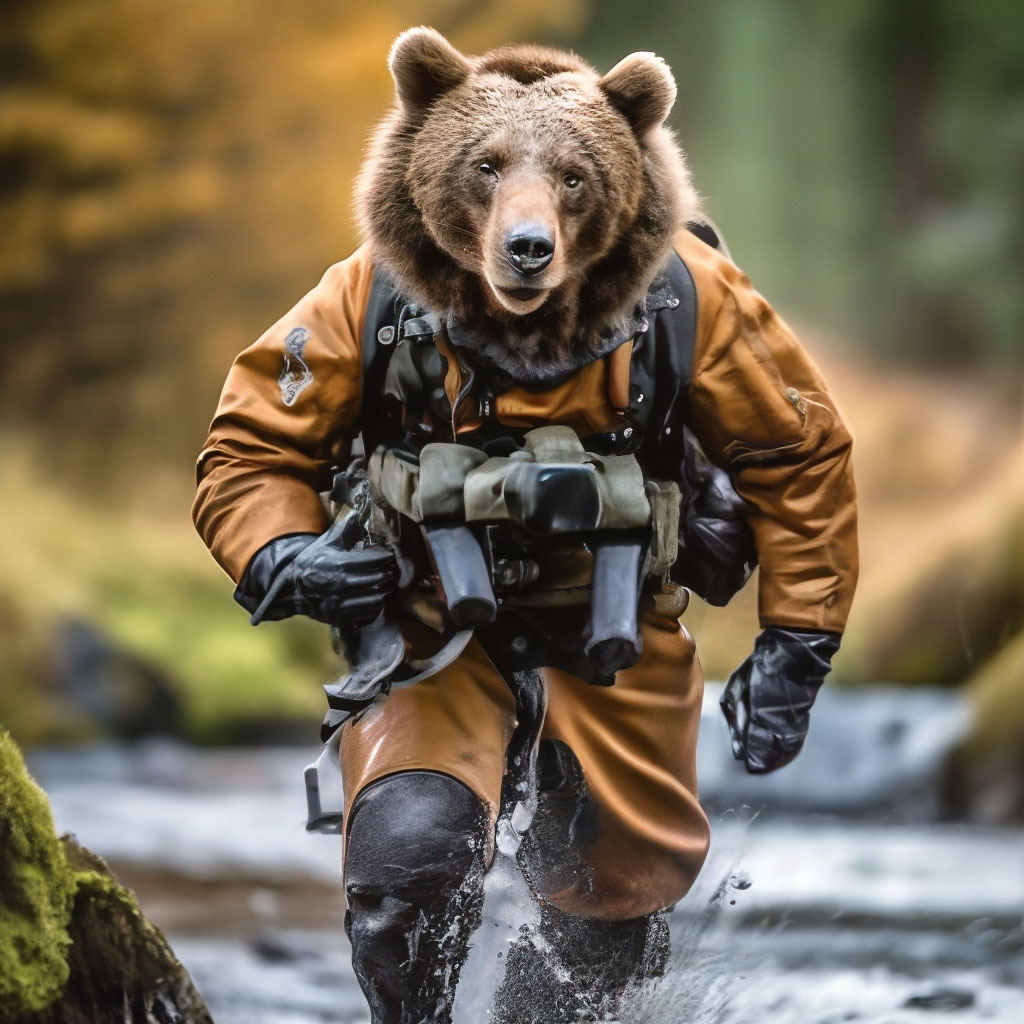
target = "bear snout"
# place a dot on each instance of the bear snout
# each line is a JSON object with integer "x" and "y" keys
{"x": 529, "y": 248}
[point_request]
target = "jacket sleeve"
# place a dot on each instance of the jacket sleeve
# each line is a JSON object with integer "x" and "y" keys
{"x": 286, "y": 415}
{"x": 762, "y": 412}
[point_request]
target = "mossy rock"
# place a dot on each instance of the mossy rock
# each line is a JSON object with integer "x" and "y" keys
{"x": 941, "y": 616}
{"x": 986, "y": 774}
{"x": 36, "y": 893}
{"x": 74, "y": 946}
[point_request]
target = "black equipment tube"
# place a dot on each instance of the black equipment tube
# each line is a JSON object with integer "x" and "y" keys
{"x": 465, "y": 580}
{"x": 613, "y": 634}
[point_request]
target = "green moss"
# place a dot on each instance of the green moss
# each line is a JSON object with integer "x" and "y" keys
{"x": 37, "y": 890}
{"x": 117, "y": 957}
{"x": 74, "y": 945}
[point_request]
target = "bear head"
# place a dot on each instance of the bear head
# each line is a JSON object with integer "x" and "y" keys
{"x": 525, "y": 194}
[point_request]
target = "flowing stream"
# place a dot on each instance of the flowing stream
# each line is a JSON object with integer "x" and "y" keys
{"x": 831, "y": 894}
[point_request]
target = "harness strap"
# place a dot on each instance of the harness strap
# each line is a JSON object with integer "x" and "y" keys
{"x": 660, "y": 366}
{"x": 379, "y": 327}
{"x": 661, "y": 373}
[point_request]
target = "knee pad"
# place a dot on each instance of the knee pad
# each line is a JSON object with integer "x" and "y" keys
{"x": 413, "y": 836}
{"x": 414, "y": 884}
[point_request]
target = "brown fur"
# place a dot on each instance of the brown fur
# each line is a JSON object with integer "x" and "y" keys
{"x": 535, "y": 116}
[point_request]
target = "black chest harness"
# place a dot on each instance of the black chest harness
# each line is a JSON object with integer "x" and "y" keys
{"x": 408, "y": 407}
{"x": 403, "y": 366}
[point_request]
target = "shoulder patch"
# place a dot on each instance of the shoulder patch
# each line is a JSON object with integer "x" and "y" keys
{"x": 296, "y": 375}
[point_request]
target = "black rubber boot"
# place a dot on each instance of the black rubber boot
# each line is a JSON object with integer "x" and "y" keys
{"x": 414, "y": 883}
{"x": 583, "y": 965}
{"x": 582, "y": 970}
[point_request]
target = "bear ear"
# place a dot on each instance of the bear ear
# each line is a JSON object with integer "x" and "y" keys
{"x": 642, "y": 89}
{"x": 424, "y": 66}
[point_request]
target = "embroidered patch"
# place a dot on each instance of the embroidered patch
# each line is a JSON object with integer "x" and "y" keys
{"x": 296, "y": 375}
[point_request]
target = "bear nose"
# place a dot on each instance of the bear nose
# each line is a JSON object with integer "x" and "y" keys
{"x": 530, "y": 248}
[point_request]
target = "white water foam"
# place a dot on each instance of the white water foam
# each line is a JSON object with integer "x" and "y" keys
{"x": 509, "y": 913}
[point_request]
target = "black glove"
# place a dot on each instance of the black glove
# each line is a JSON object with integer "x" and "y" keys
{"x": 717, "y": 552}
{"x": 323, "y": 577}
{"x": 767, "y": 701}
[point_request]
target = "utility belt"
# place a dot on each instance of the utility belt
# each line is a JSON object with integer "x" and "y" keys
{"x": 549, "y": 525}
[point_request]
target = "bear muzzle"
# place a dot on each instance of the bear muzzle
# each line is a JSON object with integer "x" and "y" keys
{"x": 516, "y": 274}
{"x": 529, "y": 248}
{"x": 518, "y": 301}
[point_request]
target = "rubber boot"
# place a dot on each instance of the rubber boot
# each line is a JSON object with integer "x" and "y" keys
{"x": 577, "y": 968}
{"x": 580, "y": 968}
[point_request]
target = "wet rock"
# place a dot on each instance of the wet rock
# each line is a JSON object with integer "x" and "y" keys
{"x": 942, "y": 999}
{"x": 277, "y": 948}
{"x": 114, "y": 691}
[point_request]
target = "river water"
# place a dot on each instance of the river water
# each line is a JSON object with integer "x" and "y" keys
{"x": 831, "y": 893}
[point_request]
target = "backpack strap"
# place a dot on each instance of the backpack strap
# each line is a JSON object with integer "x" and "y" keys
{"x": 674, "y": 353}
{"x": 380, "y": 330}
{"x": 380, "y": 334}
{"x": 663, "y": 359}
{"x": 717, "y": 551}
{"x": 661, "y": 369}
{"x": 710, "y": 234}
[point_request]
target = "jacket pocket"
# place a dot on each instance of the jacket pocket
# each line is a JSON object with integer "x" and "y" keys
{"x": 816, "y": 421}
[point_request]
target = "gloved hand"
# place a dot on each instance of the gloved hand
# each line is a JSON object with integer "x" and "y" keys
{"x": 767, "y": 701}
{"x": 324, "y": 577}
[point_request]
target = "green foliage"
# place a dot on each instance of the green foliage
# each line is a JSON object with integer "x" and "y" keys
{"x": 36, "y": 892}
{"x": 863, "y": 158}
{"x": 150, "y": 587}
{"x": 227, "y": 674}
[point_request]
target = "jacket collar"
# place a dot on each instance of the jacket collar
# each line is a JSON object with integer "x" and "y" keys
{"x": 470, "y": 346}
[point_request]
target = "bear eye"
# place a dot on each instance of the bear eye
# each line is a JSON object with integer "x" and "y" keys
{"x": 488, "y": 168}
{"x": 572, "y": 180}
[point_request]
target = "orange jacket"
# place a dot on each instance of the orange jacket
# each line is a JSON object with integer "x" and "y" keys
{"x": 757, "y": 404}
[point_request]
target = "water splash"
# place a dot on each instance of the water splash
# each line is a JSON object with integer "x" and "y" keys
{"x": 700, "y": 982}
{"x": 510, "y": 912}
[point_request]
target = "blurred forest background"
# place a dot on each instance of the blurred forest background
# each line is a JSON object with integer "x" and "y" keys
{"x": 173, "y": 177}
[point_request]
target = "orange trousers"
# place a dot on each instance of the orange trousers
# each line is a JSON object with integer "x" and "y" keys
{"x": 636, "y": 742}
